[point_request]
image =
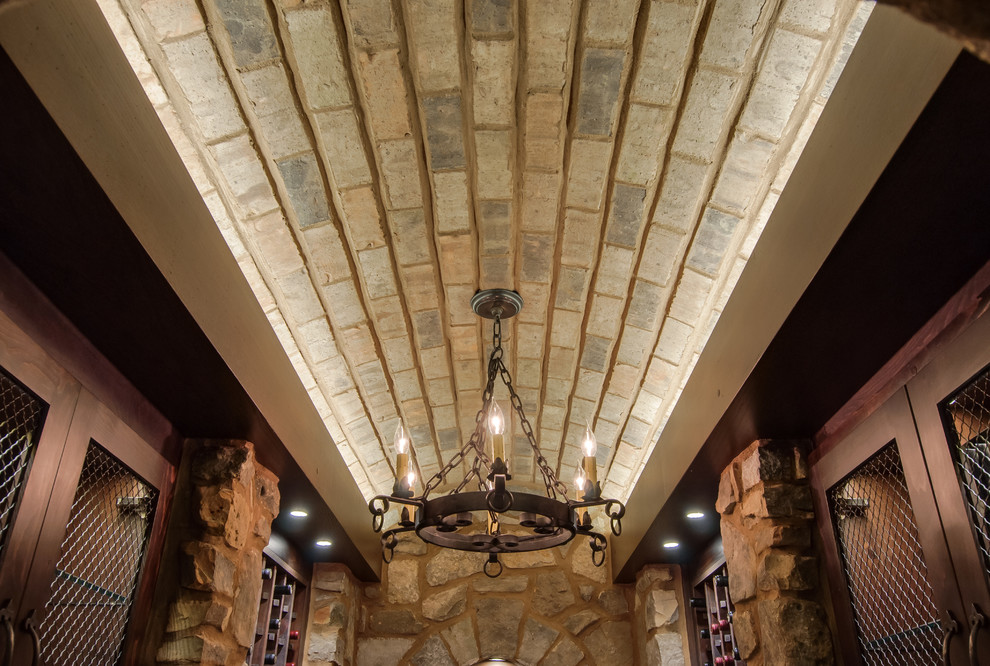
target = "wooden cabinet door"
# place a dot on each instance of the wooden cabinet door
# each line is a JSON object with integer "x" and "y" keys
{"x": 890, "y": 573}
{"x": 951, "y": 403}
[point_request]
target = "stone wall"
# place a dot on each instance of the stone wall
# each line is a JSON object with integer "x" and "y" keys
{"x": 219, "y": 534}
{"x": 436, "y": 607}
{"x": 767, "y": 516}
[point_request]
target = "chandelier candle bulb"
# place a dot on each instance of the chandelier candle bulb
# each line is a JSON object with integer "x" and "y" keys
{"x": 496, "y": 425}
{"x": 590, "y": 447}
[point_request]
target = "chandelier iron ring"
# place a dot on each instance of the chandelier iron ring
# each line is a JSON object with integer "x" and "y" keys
{"x": 544, "y": 521}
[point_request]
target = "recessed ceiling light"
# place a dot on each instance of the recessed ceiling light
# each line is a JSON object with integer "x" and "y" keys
{"x": 671, "y": 544}
{"x": 324, "y": 543}
{"x": 298, "y": 513}
{"x": 695, "y": 515}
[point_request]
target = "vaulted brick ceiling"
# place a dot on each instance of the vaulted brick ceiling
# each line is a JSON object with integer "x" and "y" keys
{"x": 371, "y": 164}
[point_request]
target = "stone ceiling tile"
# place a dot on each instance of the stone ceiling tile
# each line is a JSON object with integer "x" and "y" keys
{"x": 626, "y": 217}
{"x": 406, "y": 384}
{"x": 589, "y": 386}
{"x": 249, "y": 26}
{"x": 684, "y": 184}
{"x": 561, "y": 363}
{"x": 549, "y": 440}
{"x": 572, "y": 288}
{"x": 275, "y": 244}
{"x": 647, "y": 305}
{"x": 783, "y": 74}
{"x": 544, "y": 111}
{"x": 444, "y": 131}
{"x": 363, "y": 222}
{"x": 635, "y": 346}
{"x": 647, "y": 407}
{"x": 541, "y": 198}
{"x": 173, "y": 18}
{"x": 627, "y": 456}
{"x": 598, "y": 95}
{"x": 494, "y": 87}
{"x": 429, "y": 332}
{"x": 614, "y": 271}
{"x": 619, "y": 474}
{"x": 690, "y": 296}
{"x": 613, "y": 411}
{"x": 797, "y": 147}
{"x": 536, "y": 298}
{"x": 495, "y": 272}
{"x": 245, "y": 176}
{"x": 376, "y": 272}
{"x": 343, "y": 305}
{"x": 712, "y": 241}
{"x": 459, "y": 311}
{"x": 673, "y": 340}
{"x": 334, "y": 376}
{"x": 453, "y": 202}
{"x": 595, "y": 354}
{"x": 643, "y": 144}
{"x": 328, "y": 258}
{"x": 495, "y": 226}
{"x": 759, "y": 222}
{"x": 440, "y": 392}
{"x": 300, "y": 300}
{"x": 734, "y": 32}
{"x": 410, "y": 239}
{"x": 274, "y": 105}
{"x": 467, "y": 373}
{"x": 743, "y": 174}
{"x": 343, "y": 147}
{"x": 606, "y": 315}
{"x": 582, "y": 236}
{"x": 492, "y": 17}
{"x": 493, "y": 149}
{"x": 432, "y": 26}
{"x": 304, "y": 184}
{"x": 434, "y": 362}
{"x": 400, "y": 167}
{"x": 386, "y": 97}
{"x": 659, "y": 376}
{"x": 359, "y": 345}
{"x": 464, "y": 343}
{"x": 665, "y": 53}
{"x": 586, "y": 173}
{"x": 814, "y": 15}
{"x": 709, "y": 102}
{"x": 566, "y": 329}
{"x": 529, "y": 340}
{"x": 372, "y": 23}
{"x": 582, "y": 412}
{"x": 398, "y": 354}
{"x": 537, "y": 257}
{"x": 315, "y": 47}
{"x": 548, "y": 43}
{"x": 623, "y": 384}
{"x": 528, "y": 372}
{"x": 610, "y": 21}
{"x": 556, "y": 391}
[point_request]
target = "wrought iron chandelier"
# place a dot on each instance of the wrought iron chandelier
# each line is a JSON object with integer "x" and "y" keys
{"x": 448, "y": 521}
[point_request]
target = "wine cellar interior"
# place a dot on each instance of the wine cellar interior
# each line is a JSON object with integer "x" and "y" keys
{"x": 238, "y": 249}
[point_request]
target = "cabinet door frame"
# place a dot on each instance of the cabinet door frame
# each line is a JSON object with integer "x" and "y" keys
{"x": 892, "y": 422}
{"x": 966, "y": 357}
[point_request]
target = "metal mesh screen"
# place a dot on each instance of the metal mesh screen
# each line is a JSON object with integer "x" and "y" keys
{"x": 97, "y": 572}
{"x": 20, "y": 421}
{"x": 967, "y": 420}
{"x": 893, "y": 606}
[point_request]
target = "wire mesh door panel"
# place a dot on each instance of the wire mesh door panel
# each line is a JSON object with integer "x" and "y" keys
{"x": 99, "y": 565}
{"x": 894, "y": 607}
{"x": 21, "y": 416}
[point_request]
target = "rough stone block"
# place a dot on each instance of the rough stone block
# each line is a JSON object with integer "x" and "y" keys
{"x": 729, "y": 489}
{"x": 493, "y": 83}
{"x": 541, "y": 195}
{"x": 747, "y": 632}
{"x": 372, "y": 22}
{"x": 493, "y": 149}
{"x": 173, "y": 18}
{"x": 661, "y": 609}
{"x": 444, "y": 131}
{"x": 403, "y": 581}
{"x": 400, "y": 167}
{"x": 794, "y": 630}
{"x": 643, "y": 144}
{"x": 537, "y": 257}
{"x": 552, "y": 593}
{"x": 610, "y": 21}
{"x": 712, "y": 241}
{"x": 665, "y": 649}
{"x": 610, "y": 643}
{"x": 452, "y": 202}
{"x": 304, "y": 185}
{"x": 208, "y": 568}
{"x": 445, "y": 605}
{"x": 537, "y": 639}
{"x": 691, "y": 295}
{"x": 491, "y": 17}
{"x": 598, "y": 96}
{"x": 249, "y": 26}
{"x": 394, "y": 621}
{"x": 586, "y": 175}
{"x": 625, "y": 222}
{"x": 410, "y": 239}
{"x": 447, "y": 565}
{"x": 565, "y": 653}
{"x": 498, "y": 624}
{"x": 664, "y": 58}
{"x": 734, "y": 32}
{"x": 433, "y": 653}
{"x": 463, "y": 644}
{"x": 386, "y": 97}
{"x": 378, "y": 651}
{"x": 784, "y": 570}
{"x": 709, "y": 103}
{"x": 547, "y": 49}
{"x": 504, "y": 583}
{"x": 579, "y": 246}
{"x": 740, "y": 561}
{"x": 345, "y": 151}
{"x": 435, "y": 53}
{"x": 315, "y": 40}
{"x": 742, "y": 173}
{"x": 272, "y": 101}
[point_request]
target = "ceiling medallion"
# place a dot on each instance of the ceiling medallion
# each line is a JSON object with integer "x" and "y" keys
{"x": 447, "y": 521}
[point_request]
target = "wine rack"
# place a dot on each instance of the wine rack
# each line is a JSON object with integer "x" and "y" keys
{"x": 281, "y": 618}
{"x": 715, "y": 641}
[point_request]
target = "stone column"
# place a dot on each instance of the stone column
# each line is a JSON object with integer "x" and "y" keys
{"x": 765, "y": 503}
{"x": 230, "y": 501}
{"x": 660, "y": 616}
{"x": 334, "y": 609}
